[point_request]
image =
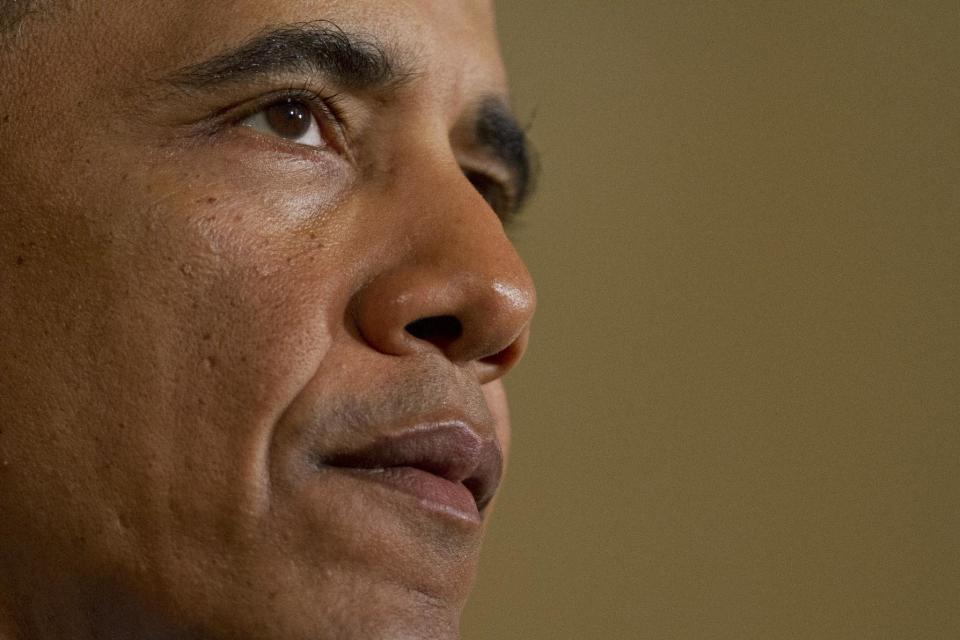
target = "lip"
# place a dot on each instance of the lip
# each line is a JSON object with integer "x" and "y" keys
{"x": 447, "y": 466}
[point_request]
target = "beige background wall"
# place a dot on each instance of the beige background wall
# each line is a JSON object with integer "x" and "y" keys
{"x": 740, "y": 417}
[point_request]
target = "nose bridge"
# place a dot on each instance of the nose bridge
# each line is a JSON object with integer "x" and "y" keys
{"x": 460, "y": 236}
{"x": 459, "y": 286}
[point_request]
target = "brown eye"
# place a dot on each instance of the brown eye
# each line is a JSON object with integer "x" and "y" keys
{"x": 288, "y": 119}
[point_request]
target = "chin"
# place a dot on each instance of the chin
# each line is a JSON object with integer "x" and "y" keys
{"x": 352, "y": 569}
{"x": 334, "y": 607}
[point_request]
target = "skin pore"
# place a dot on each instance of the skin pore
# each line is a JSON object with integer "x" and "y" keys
{"x": 240, "y": 248}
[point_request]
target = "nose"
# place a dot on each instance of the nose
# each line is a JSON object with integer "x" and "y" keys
{"x": 458, "y": 287}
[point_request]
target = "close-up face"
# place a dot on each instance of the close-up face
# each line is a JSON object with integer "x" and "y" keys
{"x": 256, "y": 301}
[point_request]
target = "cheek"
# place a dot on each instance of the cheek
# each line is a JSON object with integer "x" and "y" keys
{"x": 247, "y": 277}
{"x": 184, "y": 322}
{"x": 235, "y": 314}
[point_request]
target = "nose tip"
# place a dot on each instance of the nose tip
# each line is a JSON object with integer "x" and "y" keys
{"x": 469, "y": 317}
{"x": 494, "y": 322}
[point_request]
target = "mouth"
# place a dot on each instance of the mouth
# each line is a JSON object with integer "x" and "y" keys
{"x": 447, "y": 467}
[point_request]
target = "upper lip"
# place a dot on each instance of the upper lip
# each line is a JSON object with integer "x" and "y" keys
{"x": 451, "y": 450}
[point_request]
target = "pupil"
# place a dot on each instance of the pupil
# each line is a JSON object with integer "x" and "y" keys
{"x": 289, "y": 119}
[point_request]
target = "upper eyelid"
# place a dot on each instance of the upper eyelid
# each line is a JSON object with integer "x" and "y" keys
{"x": 213, "y": 114}
{"x": 264, "y": 101}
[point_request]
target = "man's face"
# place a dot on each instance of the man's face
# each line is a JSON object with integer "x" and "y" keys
{"x": 255, "y": 303}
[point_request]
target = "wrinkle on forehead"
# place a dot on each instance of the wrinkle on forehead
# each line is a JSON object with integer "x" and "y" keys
{"x": 454, "y": 40}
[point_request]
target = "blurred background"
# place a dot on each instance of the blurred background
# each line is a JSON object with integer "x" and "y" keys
{"x": 740, "y": 414}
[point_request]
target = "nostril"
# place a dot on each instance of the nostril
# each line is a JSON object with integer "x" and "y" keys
{"x": 441, "y": 331}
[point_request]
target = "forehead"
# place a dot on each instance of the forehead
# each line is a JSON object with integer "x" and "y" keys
{"x": 451, "y": 42}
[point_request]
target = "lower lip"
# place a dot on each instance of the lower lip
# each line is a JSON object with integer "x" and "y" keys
{"x": 433, "y": 492}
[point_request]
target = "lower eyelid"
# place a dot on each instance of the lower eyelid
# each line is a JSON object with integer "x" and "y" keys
{"x": 253, "y": 141}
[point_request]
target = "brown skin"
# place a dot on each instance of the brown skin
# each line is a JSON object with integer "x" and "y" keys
{"x": 187, "y": 318}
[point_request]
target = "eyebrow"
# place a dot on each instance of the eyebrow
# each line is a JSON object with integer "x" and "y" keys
{"x": 352, "y": 61}
{"x": 498, "y": 132}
